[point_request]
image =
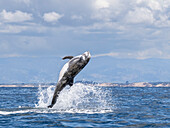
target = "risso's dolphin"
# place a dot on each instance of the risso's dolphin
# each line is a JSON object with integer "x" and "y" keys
{"x": 68, "y": 72}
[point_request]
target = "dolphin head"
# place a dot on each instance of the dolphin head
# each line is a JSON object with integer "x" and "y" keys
{"x": 85, "y": 57}
{"x": 78, "y": 62}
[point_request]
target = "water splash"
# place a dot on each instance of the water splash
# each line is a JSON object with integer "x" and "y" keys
{"x": 44, "y": 96}
{"x": 79, "y": 98}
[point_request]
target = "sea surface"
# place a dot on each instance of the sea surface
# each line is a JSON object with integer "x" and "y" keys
{"x": 85, "y": 106}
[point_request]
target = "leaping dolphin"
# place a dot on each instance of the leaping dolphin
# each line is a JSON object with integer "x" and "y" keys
{"x": 68, "y": 72}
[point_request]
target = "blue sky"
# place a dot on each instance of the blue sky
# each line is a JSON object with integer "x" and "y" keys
{"x": 133, "y": 29}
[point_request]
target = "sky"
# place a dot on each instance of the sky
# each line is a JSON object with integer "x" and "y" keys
{"x": 133, "y": 29}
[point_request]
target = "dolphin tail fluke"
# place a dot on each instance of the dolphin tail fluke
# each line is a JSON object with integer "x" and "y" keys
{"x": 53, "y": 101}
{"x": 55, "y": 96}
{"x": 50, "y": 106}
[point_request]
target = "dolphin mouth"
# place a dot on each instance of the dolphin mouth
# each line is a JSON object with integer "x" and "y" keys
{"x": 87, "y": 54}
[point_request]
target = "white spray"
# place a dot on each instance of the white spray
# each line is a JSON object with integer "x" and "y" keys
{"x": 79, "y": 98}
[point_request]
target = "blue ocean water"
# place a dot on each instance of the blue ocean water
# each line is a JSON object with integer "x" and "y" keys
{"x": 85, "y": 106}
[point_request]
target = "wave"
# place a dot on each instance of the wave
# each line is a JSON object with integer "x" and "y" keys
{"x": 79, "y": 98}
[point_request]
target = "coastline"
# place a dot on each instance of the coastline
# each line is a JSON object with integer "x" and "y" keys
{"x": 139, "y": 84}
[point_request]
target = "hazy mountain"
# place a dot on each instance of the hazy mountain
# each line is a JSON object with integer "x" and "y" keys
{"x": 100, "y": 69}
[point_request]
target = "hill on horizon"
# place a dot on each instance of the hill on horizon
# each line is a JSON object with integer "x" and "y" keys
{"x": 99, "y": 69}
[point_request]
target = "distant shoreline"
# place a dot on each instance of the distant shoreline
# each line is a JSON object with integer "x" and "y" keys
{"x": 139, "y": 84}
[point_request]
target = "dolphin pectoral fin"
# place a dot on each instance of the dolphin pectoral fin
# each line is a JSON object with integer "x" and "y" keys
{"x": 67, "y": 57}
{"x": 70, "y": 82}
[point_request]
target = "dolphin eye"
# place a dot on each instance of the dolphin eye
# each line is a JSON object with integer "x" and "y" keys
{"x": 82, "y": 58}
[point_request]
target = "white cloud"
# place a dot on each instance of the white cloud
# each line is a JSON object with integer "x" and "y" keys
{"x": 29, "y": 27}
{"x": 112, "y": 54}
{"x": 52, "y": 17}
{"x": 166, "y": 3}
{"x": 139, "y": 54}
{"x": 16, "y": 16}
{"x": 106, "y": 10}
{"x": 153, "y": 12}
{"x": 164, "y": 21}
{"x": 99, "y": 4}
{"x": 152, "y": 4}
{"x": 23, "y": 46}
{"x": 12, "y": 28}
{"x": 148, "y": 53}
{"x": 76, "y": 17}
{"x": 24, "y": 1}
{"x": 127, "y": 26}
{"x": 140, "y": 15}
{"x": 11, "y": 55}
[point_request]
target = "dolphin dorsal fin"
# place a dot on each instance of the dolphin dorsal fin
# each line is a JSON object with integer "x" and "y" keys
{"x": 67, "y": 57}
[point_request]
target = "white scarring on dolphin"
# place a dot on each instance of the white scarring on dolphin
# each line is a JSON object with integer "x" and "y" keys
{"x": 68, "y": 72}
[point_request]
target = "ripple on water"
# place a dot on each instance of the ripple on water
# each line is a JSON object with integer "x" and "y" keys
{"x": 87, "y": 106}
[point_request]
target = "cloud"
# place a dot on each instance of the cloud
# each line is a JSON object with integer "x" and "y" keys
{"x": 148, "y": 53}
{"x": 30, "y": 28}
{"x": 52, "y": 17}
{"x": 112, "y": 54}
{"x": 140, "y": 15}
{"x": 76, "y": 17}
{"x": 139, "y": 54}
{"x": 13, "y": 55}
{"x": 124, "y": 27}
{"x": 12, "y": 28}
{"x": 17, "y": 16}
{"x": 27, "y": 2}
{"x": 24, "y": 46}
{"x": 152, "y": 4}
{"x": 99, "y": 4}
{"x": 133, "y": 12}
{"x": 106, "y": 10}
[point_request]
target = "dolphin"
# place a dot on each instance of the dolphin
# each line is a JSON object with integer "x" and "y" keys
{"x": 68, "y": 72}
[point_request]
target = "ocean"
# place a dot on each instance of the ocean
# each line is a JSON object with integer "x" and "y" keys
{"x": 85, "y": 106}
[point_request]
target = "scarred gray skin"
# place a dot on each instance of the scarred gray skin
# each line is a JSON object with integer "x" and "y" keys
{"x": 68, "y": 72}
